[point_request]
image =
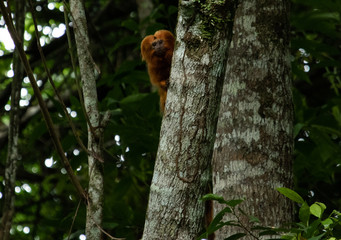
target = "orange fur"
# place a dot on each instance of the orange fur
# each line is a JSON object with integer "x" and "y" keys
{"x": 157, "y": 51}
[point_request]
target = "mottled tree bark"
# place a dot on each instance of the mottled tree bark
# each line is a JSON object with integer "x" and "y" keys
{"x": 252, "y": 152}
{"x": 182, "y": 169}
{"x": 13, "y": 131}
{"x": 88, "y": 78}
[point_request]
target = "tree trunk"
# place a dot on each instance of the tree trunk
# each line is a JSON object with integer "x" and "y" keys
{"x": 144, "y": 9}
{"x": 88, "y": 79}
{"x": 253, "y": 148}
{"x": 13, "y": 131}
{"x": 182, "y": 168}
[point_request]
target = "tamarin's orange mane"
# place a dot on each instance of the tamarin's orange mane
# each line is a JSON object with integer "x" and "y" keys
{"x": 157, "y": 51}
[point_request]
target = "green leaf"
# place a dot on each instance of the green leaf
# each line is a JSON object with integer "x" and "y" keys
{"x": 304, "y": 214}
{"x": 202, "y": 236}
{"x": 235, "y": 202}
{"x": 172, "y": 10}
{"x": 253, "y": 219}
{"x": 134, "y": 98}
{"x": 236, "y": 236}
{"x": 292, "y": 195}
{"x": 212, "y": 229}
{"x": 326, "y": 16}
{"x": 326, "y": 223}
{"x": 124, "y": 41}
{"x": 317, "y": 209}
{"x": 220, "y": 199}
{"x": 317, "y": 237}
{"x": 297, "y": 128}
{"x": 337, "y": 114}
{"x": 313, "y": 229}
{"x": 216, "y": 222}
{"x": 268, "y": 232}
{"x": 336, "y": 213}
{"x": 214, "y": 197}
{"x": 130, "y": 24}
{"x": 115, "y": 112}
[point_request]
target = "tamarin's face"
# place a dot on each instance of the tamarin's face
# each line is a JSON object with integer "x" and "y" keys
{"x": 157, "y": 45}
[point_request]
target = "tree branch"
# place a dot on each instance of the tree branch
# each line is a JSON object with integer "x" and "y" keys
{"x": 46, "y": 115}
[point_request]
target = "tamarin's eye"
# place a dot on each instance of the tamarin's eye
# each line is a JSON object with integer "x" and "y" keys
{"x": 157, "y": 42}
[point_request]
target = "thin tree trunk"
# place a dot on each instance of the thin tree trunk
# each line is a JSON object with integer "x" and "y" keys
{"x": 13, "y": 131}
{"x": 88, "y": 79}
{"x": 253, "y": 148}
{"x": 182, "y": 169}
{"x": 144, "y": 9}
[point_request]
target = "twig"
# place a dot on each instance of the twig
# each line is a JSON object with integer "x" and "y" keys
{"x": 111, "y": 237}
{"x": 18, "y": 43}
{"x": 74, "y": 131}
{"x": 73, "y": 220}
{"x": 73, "y": 62}
{"x": 241, "y": 225}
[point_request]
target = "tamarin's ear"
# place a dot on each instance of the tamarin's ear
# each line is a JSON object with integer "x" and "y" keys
{"x": 157, "y": 51}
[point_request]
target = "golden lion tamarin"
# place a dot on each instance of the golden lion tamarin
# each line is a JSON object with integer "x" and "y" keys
{"x": 157, "y": 51}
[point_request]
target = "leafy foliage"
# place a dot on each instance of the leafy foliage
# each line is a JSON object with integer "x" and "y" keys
{"x": 235, "y": 213}
{"x": 312, "y": 221}
{"x": 312, "y": 224}
{"x": 316, "y": 75}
